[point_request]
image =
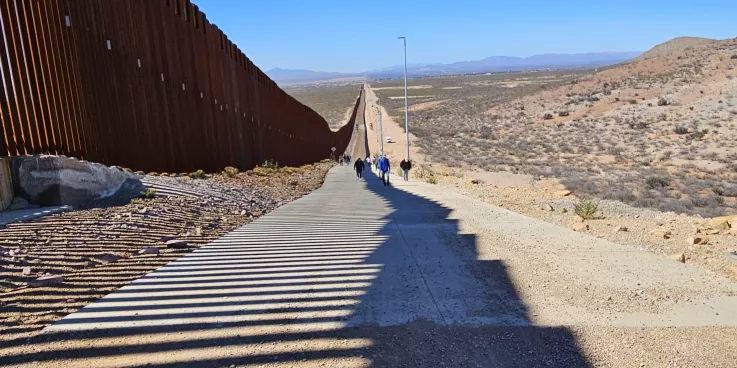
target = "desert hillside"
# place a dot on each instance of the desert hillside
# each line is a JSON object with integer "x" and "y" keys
{"x": 658, "y": 131}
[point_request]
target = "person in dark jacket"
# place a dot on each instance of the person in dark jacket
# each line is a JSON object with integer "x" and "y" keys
{"x": 406, "y": 165}
{"x": 384, "y": 168}
{"x": 358, "y": 165}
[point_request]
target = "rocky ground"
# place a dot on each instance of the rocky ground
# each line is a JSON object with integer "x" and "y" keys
{"x": 85, "y": 254}
{"x": 616, "y": 221}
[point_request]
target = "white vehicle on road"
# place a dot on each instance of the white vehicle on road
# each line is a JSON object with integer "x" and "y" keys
{"x": 388, "y": 139}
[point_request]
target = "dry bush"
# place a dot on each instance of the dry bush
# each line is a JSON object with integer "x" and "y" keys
{"x": 230, "y": 171}
{"x": 586, "y": 209}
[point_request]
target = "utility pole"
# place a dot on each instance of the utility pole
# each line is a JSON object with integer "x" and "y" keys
{"x": 406, "y": 105}
{"x": 381, "y": 133}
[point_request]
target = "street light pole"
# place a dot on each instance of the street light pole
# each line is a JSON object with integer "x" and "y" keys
{"x": 381, "y": 135}
{"x": 406, "y": 104}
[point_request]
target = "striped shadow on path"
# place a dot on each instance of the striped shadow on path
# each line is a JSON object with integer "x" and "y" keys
{"x": 355, "y": 274}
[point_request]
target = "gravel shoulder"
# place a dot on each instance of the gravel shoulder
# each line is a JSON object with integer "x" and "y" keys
{"x": 624, "y": 307}
{"x": 534, "y": 199}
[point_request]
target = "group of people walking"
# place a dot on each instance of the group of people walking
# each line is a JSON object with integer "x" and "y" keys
{"x": 381, "y": 164}
{"x": 346, "y": 158}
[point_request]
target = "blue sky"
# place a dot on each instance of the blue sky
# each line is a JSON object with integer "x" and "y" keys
{"x": 354, "y": 36}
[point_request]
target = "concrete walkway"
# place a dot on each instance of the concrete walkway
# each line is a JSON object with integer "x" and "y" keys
{"x": 358, "y": 274}
{"x": 342, "y": 256}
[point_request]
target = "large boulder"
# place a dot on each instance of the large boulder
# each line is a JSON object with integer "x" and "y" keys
{"x": 58, "y": 180}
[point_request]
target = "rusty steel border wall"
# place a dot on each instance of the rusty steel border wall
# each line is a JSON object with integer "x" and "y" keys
{"x": 150, "y": 85}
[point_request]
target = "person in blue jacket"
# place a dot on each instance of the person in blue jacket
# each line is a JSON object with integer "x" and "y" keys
{"x": 384, "y": 168}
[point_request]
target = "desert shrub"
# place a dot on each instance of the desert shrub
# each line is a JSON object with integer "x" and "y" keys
{"x": 655, "y": 182}
{"x": 726, "y": 190}
{"x": 698, "y": 134}
{"x": 586, "y": 208}
{"x": 681, "y": 130}
{"x": 620, "y": 194}
{"x": 663, "y": 117}
{"x": 270, "y": 164}
{"x": 632, "y": 102}
{"x": 663, "y": 102}
{"x": 230, "y": 171}
{"x": 432, "y": 180}
{"x": 579, "y": 184}
{"x": 150, "y": 193}
{"x": 719, "y": 200}
{"x": 563, "y": 113}
{"x": 734, "y": 56}
{"x": 616, "y": 99}
{"x": 699, "y": 201}
{"x": 548, "y": 116}
{"x": 421, "y": 171}
{"x": 638, "y": 125}
{"x": 675, "y": 205}
{"x": 199, "y": 174}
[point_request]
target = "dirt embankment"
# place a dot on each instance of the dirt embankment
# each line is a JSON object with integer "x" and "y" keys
{"x": 98, "y": 250}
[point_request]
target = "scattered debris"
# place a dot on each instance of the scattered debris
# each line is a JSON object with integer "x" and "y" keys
{"x": 47, "y": 280}
{"x": 665, "y": 234}
{"x": 149, "y": 250}
{"x": 106, "y": 258}
{"x": 580, "y": 226}
{"x": 176, "y": 243}
{"x": 680, "y": 257}
{"x": 166, "y": 238}
{"x": 697, "y": 240}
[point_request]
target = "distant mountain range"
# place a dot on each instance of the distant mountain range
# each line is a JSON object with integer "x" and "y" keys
{"x": 487, "y": 65}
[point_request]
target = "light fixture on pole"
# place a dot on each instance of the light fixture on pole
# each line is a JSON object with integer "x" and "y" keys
{"x": 406, "y": 104}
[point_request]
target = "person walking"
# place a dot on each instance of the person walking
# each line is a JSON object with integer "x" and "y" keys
{"x": 340, "y": 160}
{"x": 358, "y": 166}
{"x": 384, "y": 168}
{"x": 406, "y": 165}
